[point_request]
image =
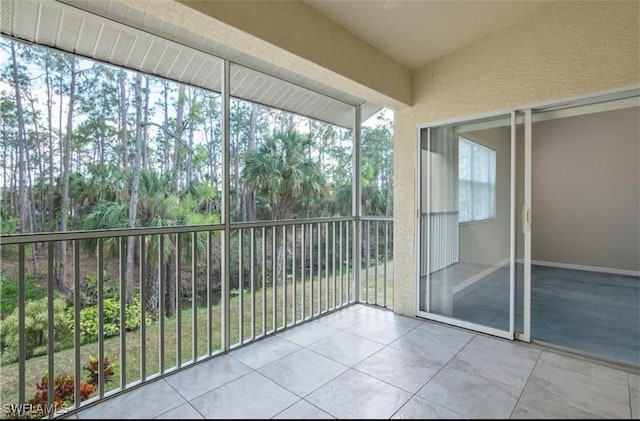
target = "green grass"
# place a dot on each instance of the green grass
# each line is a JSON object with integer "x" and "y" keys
{"x": 64, "y": 359}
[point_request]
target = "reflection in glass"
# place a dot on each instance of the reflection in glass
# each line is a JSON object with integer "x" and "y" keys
{"x": 465, "y": 222}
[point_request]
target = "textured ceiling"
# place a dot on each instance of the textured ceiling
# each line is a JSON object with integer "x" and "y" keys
{"x": 415, "y": 32}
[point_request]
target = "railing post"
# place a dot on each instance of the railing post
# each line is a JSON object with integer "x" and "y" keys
{"x": 22, "y": 303}
{"x": 162, "y": 272}
{"x": 356, "y": 205}
{"x": 178, "y": 304}
{"x": 101, "y": 381}
{"x": 76, "y": 322}
{"x": 50, "y": 327}
{"x": 143, "y": 312}
{"x": 123, "y": 315}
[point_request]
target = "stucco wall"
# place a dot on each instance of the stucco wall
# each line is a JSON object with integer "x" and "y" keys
{"x": 566, "y": 49}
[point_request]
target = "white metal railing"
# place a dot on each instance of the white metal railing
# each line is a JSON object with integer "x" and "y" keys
{"x": 280, "y": 274}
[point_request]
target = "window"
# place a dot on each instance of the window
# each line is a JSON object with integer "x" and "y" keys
{"x": 476, "y": 181}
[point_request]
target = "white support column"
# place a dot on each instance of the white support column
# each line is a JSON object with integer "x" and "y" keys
{"x": 226, "y": 237}
{"x": 356, "y": 204}
{"x": 512, "y": 234}
{"x": 526, "y": 227}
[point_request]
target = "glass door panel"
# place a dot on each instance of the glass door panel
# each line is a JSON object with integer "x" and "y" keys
{"x": 521, "y": 229}
{"x": 466, "y": 223}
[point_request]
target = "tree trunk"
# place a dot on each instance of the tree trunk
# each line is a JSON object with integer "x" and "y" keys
{"x": 5, "y": 148}
{"x": 151, "y": 283}
{"x": 39, "y": 160}
{"x": 14, "y": 182}
{"x": 170, "y": 301}
{"x": 22, "y": 182}
{"x": 214, "y": 159}
{"x": 123, "y": 125}
{"x": 101, "y": 146}
{"x": 133, "y": 199}
{"x": 31, "y": 197}
{"x": 388, "y": 184}
{"x": 145, "y": 130}
{"x": 236, "y": 176}
{"x": 61, "y": 285}
{"x": 165, "y": 162}
{"x": 282, "y": 210}
{"x": 192, "y": 100}
{"x": 23, "y": 202}
{"x": 250, "y": 200}
{"x": 178, "y": 140}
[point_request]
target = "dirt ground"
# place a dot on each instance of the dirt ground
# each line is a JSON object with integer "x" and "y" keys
{"x": 40, "y": 265}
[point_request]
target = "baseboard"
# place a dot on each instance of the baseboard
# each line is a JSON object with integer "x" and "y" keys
{"x": 475, "y": 278}
{"x": 599, "y": 269}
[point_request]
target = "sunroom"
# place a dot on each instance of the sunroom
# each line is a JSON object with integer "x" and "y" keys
{"x": 216, "y": 209}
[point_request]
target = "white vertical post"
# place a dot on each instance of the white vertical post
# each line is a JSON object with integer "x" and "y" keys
{"x": 512, "y": 234}
{"x": 428, "y": 220}
{"x": 526, "y": 226}
{"x": 226, "y": 240}
{"x": 356, "y": 205}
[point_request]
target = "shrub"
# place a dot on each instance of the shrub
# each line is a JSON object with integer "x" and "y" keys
{"x": 89, "y": 290}
{"x": 63, "y": 391}
{"x": 111, "y": 319}
{"x": 9, "y": 292}
{"x": 9, "y": 225}
{"x": 64, "y": 385}
{"x": 36, "y": 327}
{"x": 92, "y": 368}
{"x": 132, "y": 314}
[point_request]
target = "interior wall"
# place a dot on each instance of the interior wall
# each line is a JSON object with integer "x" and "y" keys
{"x": 565, "y": 49}
{"x": 586, "y": 190}
{"x": 487, "y": 242}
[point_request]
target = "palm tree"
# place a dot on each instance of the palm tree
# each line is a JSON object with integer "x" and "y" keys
{"x": 156, "y": 207}
{"x": 282, "y": 174}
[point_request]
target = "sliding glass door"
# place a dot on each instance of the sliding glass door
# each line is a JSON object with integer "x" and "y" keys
{"x": 467, "y": 264}
{"x": 481, "y": 183}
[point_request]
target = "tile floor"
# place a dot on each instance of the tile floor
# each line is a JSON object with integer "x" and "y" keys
{"x": 364, "y": 362}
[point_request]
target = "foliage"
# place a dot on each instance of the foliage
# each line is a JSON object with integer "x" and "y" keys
{"x": 9, "y": 292}
{"x": 92, "y": 367}
{"x": 8, "y": 225}
{"x": 234, "y": 292}
{"x": 36, "y": 327}
{"x": 64, "y": 385}
{"x": 89, "y": 289}
{"x": 281, "y": 165}
{"x": 281, "y": 171}
{"x": 111, "y": 319}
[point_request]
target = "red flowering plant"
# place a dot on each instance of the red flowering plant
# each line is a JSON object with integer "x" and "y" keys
{"x": 64, "y": 384}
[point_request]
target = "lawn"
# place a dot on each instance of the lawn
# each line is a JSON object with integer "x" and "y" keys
{"x": 240, "y": 326}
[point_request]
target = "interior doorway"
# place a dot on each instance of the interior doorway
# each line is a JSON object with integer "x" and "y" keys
{"x": 586, "y": 231}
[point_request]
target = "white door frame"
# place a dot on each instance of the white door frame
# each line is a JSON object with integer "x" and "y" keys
{"x": 507, "y": 334}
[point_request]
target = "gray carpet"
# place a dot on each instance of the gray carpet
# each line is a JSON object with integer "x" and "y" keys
{"x": 590, "y": 312}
